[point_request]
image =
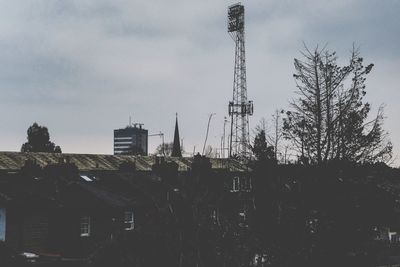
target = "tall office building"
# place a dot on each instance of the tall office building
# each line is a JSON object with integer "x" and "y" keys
{"x": 131, "y": 140}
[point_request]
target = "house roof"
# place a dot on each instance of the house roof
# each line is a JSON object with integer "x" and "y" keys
{"x": 104, "y": 195}
{"x": 14, "y": 161}
{"x": 20, "y": 195}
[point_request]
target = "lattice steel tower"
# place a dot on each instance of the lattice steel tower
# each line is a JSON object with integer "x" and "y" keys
{"x": 239, "y": 108}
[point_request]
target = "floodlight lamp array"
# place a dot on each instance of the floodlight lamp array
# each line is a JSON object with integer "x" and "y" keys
{"x": 236, "y": 18}
{"x": 241, "y": 108}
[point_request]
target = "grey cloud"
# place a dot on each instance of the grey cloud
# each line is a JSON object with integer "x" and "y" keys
{"x": 82, "y": 67}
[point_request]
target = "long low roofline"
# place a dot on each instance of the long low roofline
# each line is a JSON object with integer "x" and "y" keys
{"x": 14, "y": 161}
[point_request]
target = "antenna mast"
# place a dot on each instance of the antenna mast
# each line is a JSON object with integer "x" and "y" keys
{"x": 239, "y": 108}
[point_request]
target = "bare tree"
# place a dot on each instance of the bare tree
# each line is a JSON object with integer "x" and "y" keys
{"x": 209, "y": 152}
{"x": 276, "y": 135}
{"x": 329, "y": 119}
{"x": 164, "y": 149}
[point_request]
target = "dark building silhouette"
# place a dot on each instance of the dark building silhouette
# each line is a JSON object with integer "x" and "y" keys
{"x": 131, "y": 140}
{"x": 176, "y": 148}
{"x": 197, "y": 211}
{"x": 70, "y": 205}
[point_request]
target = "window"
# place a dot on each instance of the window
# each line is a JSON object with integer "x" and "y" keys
{"x": 85, "y": 226}
{"x": 235, "y": 184}
{"x": 134, "y": 140}
{"x": 247, "y": 184}
{"x": 393, "y": 237}
{"x": 86, "y": 178}
{"x": 242, "y": 218}
{"x": 2, "y": 224}
{"x": 128, "y": 221}
{"x": 214, "y": 216}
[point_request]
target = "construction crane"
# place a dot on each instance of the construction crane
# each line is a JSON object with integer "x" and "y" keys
{"x": 160, "y": 134}
{"x": 136, "y": 124}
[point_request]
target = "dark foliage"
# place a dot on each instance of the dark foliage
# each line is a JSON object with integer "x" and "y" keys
{"x": 39, "y": 140}
{"x": 261, "y": 150}
{"x": 134, "y": 250}
{"x": 305, "y": 220}
{"x": 299, "y": 218}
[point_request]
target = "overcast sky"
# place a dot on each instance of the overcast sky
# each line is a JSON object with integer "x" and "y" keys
{"x": 81, "y": 68}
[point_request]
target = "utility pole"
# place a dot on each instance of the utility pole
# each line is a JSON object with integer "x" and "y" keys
{"x": 239, "y": 108}
{"x": 208, "y": 128}
{"x": 223, "y": 139}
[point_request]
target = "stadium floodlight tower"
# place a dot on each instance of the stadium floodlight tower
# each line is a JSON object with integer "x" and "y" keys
{"x": 239, "y": 108}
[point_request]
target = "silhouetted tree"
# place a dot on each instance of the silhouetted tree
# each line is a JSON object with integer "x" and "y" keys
{"x": 278, "y": 133}
{"x": 329, "y": 120}
{"x": 166, "y": 149}
{"x": 39, "y": 140}
{"x": 261, "y": 149}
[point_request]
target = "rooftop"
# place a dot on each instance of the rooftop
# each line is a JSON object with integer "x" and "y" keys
{"x": 14, "y": 161}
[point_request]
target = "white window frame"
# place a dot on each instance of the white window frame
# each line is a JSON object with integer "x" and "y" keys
{"x": 129, "y": 219}
{"x": 242, "y": 215}
{"x": 243, "y": 218}
{"x": 85, "y": 226}
{"x": 214, "y": 214}
{"x": 235, "y": 184}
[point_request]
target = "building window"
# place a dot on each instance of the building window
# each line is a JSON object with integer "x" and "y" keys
{"x": 393, "y": 238}
{"x": 129, "y": 221}
{"x": 235, "y": 184}
{"x": 242, "y": 218}
{"x": 2, "y": 224}
{"x": 214, "y": 216}
{"x": 247, "y": 184}
{"x": 85, "y": 226}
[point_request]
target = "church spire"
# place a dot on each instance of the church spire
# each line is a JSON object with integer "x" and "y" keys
{"x": 176, "y": 148}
